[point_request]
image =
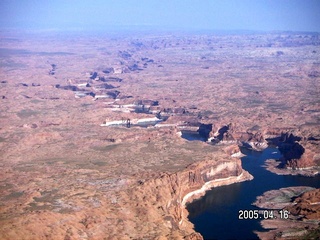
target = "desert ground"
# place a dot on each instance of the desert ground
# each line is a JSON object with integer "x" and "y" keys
{"x": 91, "y": 124}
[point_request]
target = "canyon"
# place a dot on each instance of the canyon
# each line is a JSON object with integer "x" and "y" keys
{"x": 77, "y": 162}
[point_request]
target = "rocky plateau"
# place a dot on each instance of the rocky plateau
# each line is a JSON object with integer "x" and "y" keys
{"x": 65, "y": 176}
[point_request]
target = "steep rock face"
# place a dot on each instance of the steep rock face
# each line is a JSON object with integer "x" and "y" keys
{"x": 298, "y": 152}
{"x": 168, "y": 194}
{"x": 288, "y": 145}
{"x": 232, "y": 133}
{"x": 299, "y": 147}
{"x": 150, "y": 208}
{"x": 310, "y": 155}
{"x": 233, "y": 150}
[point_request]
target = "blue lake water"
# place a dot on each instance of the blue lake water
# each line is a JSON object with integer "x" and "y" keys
{"x": 192, "y": 135}
{"x": 215, "y": 215}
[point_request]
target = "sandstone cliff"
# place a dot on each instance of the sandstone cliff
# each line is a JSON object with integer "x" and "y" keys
{"x": 300, "y": 151}
{"x": 162, "y": 200}
{"x": 84, "y": 203}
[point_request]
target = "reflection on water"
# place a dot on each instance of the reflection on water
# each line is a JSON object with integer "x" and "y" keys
{"x": 192, "y": 135}
{"x": 213, "y": 199}
{"x": 215, "y": 215}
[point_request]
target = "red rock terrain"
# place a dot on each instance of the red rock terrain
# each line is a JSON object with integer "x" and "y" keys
{"x": 64, "y": 176}
{"x": 302, "y": 204}
{"x": 307, "y": 205}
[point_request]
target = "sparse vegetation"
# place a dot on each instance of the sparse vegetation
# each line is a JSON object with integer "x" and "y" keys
{"x": 313, "y": 234}
{"x": 26, "y": 113}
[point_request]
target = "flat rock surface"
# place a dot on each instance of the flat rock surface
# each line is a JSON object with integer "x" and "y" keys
{"x": 278, "y": 199}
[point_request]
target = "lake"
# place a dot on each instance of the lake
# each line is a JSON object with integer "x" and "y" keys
{"x": 215, "y": 215}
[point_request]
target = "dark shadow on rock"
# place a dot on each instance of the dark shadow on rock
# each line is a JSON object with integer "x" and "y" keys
{"x": 204, "y": 130}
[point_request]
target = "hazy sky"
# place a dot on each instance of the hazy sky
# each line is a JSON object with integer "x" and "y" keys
{"x": 300, "y": 15}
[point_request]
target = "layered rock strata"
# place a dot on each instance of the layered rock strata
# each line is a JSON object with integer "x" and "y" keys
{"x": 169, "y": 194}
{"x": 153, "y": 208}
{"x": 301, "y": 154}
{"x": 300, "y": 150}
